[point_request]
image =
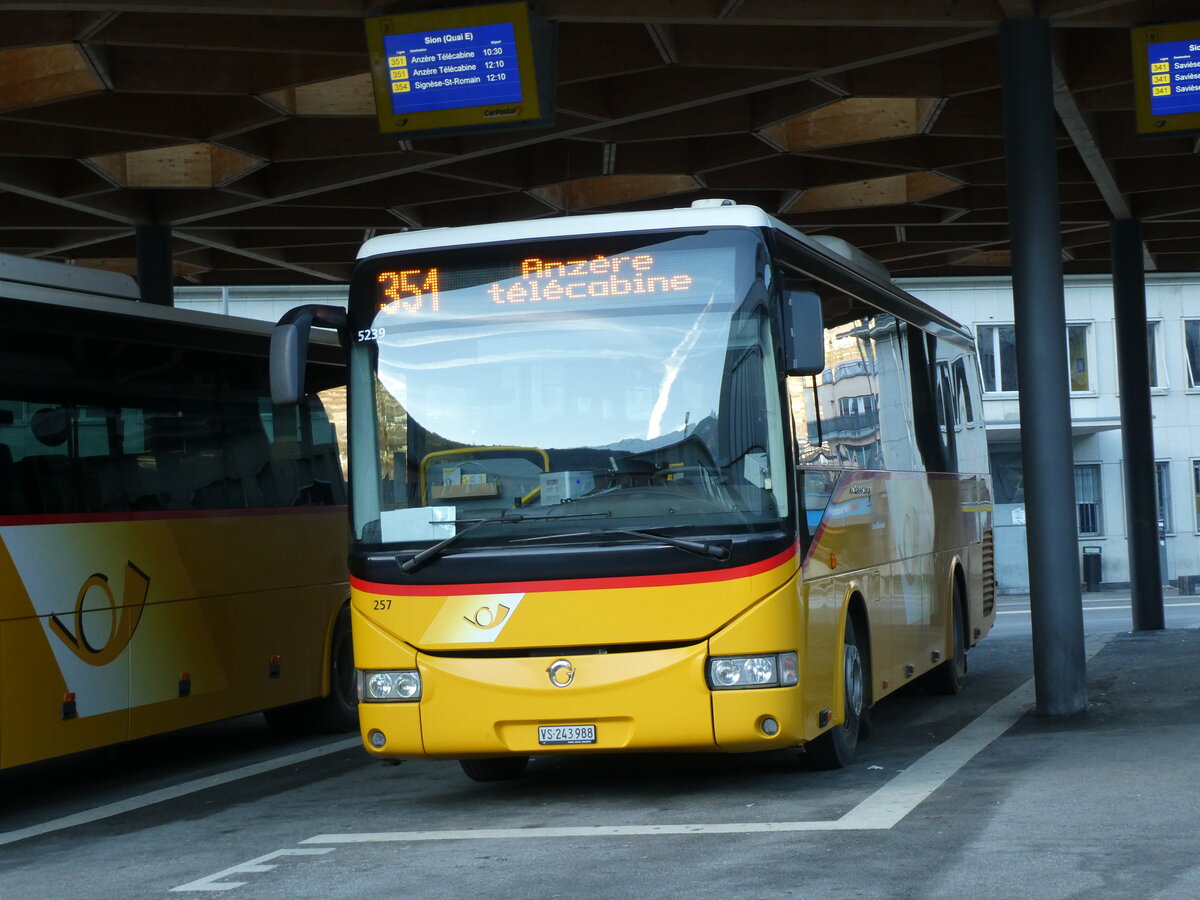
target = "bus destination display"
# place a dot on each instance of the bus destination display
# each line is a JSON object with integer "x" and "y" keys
{"x": 550, "y": 282}
{"x": 450, "y": 69}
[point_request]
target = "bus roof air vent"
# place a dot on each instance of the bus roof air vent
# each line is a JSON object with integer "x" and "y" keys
{"x": 712, "y": 201}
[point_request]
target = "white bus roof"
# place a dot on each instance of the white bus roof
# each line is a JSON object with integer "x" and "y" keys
{"x": 702, "y": 214}
{"x": 730, "y": 216}
{"x": 41, "y": 273}
{"x": 59, "y": 286}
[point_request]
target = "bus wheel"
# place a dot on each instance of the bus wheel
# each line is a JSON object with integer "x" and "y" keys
{"x": 949, "y": 677}
{"x": 835, "y": 749}
{"x": 339, "y": 711}
{"x": 497, "y": 768}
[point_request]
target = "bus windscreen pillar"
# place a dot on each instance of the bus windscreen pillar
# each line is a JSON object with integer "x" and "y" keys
{"x": 1042, "y": 373}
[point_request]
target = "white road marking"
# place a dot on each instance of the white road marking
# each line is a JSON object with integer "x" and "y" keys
{"x": 880, "y": 811}
{"x": 214, "y": 883}
{"x": 188, "y": 787}
{"x": 1025, "y": 611}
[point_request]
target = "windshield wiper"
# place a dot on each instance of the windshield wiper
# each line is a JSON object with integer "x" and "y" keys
{"x": 430, "y": 553}
{"x": 699, "y": 548}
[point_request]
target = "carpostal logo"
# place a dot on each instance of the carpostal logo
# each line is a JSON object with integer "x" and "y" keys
{"x": 503, "y": 112}
{"x": 123, "y": 617}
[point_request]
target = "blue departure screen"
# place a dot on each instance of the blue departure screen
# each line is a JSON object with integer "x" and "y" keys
{"x": 453, "y": 68}
{"x": 1174, "y": 77}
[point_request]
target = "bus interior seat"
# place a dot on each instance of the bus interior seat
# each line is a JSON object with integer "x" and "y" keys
{"x": 190, "y": 464}
{"x": 46, "y": 482}
{"x": 248, "y": 453}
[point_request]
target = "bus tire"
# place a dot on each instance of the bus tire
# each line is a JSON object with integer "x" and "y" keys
{"x": 836, "y": 748}
{"x": 496, "y": 768}
{"x": 338, "y": 711}
{"x": 950, "y": 676}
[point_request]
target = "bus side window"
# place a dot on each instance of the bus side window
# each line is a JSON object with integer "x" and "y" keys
{"x": 926, "y": 409}
{"x": 965, "y": 411}
{"x": 946, "y": 416}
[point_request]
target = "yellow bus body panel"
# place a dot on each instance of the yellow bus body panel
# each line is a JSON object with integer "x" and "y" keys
{"x": 233, "y": 612}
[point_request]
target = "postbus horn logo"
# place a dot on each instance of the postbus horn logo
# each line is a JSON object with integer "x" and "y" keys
{"x": 484, "y": 617}
{"x": 124, "y": 618}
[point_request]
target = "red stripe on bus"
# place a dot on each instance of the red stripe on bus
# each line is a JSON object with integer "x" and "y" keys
{"x": 574, "y": 584}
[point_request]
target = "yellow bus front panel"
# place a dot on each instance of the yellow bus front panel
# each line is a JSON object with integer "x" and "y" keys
{"x": 646, "y": 700}
{"x": 490, "y": 699}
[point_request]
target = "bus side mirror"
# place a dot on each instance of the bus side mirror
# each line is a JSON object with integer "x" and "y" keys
{"x": 289, "y": 348}
{"x": 804, "y": 333}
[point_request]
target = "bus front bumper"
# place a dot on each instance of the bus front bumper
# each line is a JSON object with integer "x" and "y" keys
{"x": 631, "y": 701}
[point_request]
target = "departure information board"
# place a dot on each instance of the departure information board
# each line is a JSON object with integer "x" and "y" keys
{"x": 453, "y": 71}
{"x": 1166, "y": 69}
{"x": 1174, "y": 77}
{"x": 453, "y": 68}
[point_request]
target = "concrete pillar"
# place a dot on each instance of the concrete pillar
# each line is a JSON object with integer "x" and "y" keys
{"x": 1137, "y": 424}
{"x": 1042, "y": 373}
{"x": 155, "y": 275}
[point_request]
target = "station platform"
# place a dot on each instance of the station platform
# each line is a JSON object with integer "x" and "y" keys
{"x": 1103, "y": 803}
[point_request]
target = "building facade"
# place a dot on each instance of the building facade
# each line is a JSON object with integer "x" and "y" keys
{"x": 1173, "y": 316}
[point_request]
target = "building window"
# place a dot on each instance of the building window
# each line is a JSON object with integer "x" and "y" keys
{"x": 1154, "y": 352}
{"x": 1077, "y": 357}
{"x": 998, "y": 357}
{"x": 1196, "y": 488}
{"x": 1191, "y": 342}
{"x": 1008, "y": 476}
{"x": 1087, "y": 498}
{"x": 856, "y": 406}
{"x": 1162, "y": 494}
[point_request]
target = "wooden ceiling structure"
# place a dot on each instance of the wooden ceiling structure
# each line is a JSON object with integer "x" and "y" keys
{"x": 248, "y": 128}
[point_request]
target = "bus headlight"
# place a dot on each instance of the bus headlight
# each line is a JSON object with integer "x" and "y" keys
{"x": 400, "y": 686}
{"x": 764, "y": 670}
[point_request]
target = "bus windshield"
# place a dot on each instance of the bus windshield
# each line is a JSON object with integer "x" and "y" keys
{"x": 630, "y": 379}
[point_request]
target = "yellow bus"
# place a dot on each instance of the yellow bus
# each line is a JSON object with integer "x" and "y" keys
{"x": 683, "y": 480}
{"x": 171, "y": 545}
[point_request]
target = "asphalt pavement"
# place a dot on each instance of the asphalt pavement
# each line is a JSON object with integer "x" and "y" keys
{"x": 974, "y": 795}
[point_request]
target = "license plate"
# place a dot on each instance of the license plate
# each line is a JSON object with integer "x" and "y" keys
{"x": 566, "y": 734}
